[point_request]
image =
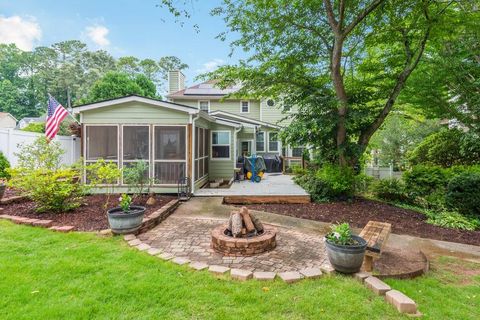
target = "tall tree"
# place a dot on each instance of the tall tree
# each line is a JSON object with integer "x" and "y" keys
{"x": 343, "y": 61}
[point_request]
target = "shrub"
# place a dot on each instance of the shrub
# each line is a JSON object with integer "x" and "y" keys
{"x": 51, "y": 190}
{"x": 330, "y": 183}
{"x": 4, "y": 165}
{"x": 447, "y": 148}
{"x": 104, "y": 173}
{"x": 389, "y": 189}
{"x": 134, "y": 175}
{"x": 463, "y": 193}
{"x": 422, "y": 180}
{"x": 449, "y": 219}
{"x": 40, "y": 155}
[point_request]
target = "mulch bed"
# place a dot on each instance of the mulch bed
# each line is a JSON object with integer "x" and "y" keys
{"x": 359, "y": 211}
{"x": 90, "y": 216}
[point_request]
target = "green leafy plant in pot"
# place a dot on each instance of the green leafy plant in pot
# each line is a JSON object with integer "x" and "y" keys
{"x": 345, "y": 251}
{"x": 126, "y": 218}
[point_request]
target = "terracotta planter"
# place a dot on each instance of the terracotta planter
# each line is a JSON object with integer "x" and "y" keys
{"x": 125, "y": 222}
{"x": 346, "y": 259}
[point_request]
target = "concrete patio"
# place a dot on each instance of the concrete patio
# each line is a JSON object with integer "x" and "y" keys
{"x": 272, "y": 184}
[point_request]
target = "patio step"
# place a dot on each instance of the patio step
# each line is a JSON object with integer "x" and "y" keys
{"x": 261, "y": 199}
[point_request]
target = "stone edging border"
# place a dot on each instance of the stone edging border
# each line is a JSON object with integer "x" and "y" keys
{"x": 147, "y": 223}
{"x": 399, "y": 300}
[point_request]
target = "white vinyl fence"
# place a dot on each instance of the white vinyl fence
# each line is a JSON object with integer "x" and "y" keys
{"x": 383, "y": 172}
{"x": 11, "y": 139}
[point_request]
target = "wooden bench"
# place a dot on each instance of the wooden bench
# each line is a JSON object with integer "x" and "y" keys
{"x": 376, "y": 234}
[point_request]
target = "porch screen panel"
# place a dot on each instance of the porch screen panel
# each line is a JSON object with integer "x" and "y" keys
{"x": 136, "y": 149}
{"x": 201, "y": 153}
{"x": 170, "y": 154}
{"x": 101, "y": 142}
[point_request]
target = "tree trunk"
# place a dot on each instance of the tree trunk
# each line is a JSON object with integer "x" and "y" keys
{"x": 337, "y": 78}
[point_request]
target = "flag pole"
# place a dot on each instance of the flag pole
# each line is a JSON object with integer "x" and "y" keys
{"x": 74, "y": 119}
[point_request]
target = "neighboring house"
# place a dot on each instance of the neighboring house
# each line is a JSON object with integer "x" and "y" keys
{"x": 7, "y": 121}
{"x": 195, "y": 134}
{"x": 27, "y": 120}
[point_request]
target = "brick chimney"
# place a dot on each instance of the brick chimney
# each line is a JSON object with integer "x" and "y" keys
{"x": 176, "y": 81}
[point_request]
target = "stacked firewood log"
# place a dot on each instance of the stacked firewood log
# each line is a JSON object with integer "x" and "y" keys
{"x": 243, "y": 224}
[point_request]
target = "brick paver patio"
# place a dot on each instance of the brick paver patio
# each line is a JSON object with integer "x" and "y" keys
{"x": 189, "y": 237}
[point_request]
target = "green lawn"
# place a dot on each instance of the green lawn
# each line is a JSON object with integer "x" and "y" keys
{"x": 47, "y": 275}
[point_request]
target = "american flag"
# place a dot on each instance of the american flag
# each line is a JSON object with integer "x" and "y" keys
{"x": 55, "y": 115}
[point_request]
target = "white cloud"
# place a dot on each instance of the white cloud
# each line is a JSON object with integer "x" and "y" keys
{"x": 98, "y": 34}
{"x": 210, "y": 65}
{"x": 24, "y": 32}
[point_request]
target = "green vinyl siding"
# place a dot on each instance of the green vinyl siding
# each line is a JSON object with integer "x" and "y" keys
{"x": 134, "y": 112}
{"x": 222, "y": 168}
{"x": 274, "y": 114}
{"x": 231, "y": 106}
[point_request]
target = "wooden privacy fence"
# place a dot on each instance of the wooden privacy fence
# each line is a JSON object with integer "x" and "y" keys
{"x": 11, "y": 139}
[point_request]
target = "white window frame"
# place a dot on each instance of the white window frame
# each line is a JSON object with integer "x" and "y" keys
{"x": 241, "y": 106}
{"x": 207, "y": 101}
{"x": 278, "y": 142}
{"x": 175, "y": 160}
{"x": 150, "y": 146}
{"x": 85, "y": 142}
{"x": 229, "y": 145}
{"x": 205, "y": 156}
{"x": 264, "y": 138}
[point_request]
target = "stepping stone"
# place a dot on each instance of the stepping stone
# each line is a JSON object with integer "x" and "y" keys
{"x": 5, "y": 216}
{"x": 198, "y": 266}
{"x": 62, "y": 228}
{"x": 165, "y": 256}
{"x": 143, "y": 247}
{"x": 311, "y": 273}
{"x": 377, "y": 286}
{"x": 30, "y": 221}
{"x": 129, "y": 237}
{"x": 361, "y": 276}
{"x": 43, "y": 223}
{"x": 180, "y": 261}
{"x": 400, "y": 301}
{"x": 241, "y": 274}
{"x": 328, "y": 269}
{"x": 290, "y": 276}
{"x": 18, "y": 220}
{"x": 218, "y": 269}
{"x": 264, "y": 276}
{"x": 154, "y": 251}
{"x": 134, "y": 242}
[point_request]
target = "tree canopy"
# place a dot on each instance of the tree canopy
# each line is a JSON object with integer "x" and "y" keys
{"x": 68, "y": 71}
{"x": 344, "y": 64}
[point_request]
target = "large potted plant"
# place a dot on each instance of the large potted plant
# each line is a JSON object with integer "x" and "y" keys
{"x": 345, "y": 250}
{"x": 126, "y": 218}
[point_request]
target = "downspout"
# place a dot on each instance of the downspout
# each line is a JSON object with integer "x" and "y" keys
{"x": 192, "y": 121}
{"x": 235, "y": 146}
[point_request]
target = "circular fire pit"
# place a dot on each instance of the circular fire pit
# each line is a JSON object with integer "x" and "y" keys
{"x": 243, "y": 246}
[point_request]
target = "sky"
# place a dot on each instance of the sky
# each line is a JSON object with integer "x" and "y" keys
{"x": 122, "y": 27}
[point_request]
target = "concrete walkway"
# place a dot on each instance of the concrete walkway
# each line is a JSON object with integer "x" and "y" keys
{"x": 213, "y": 208}
{"x": 271, "y": 184}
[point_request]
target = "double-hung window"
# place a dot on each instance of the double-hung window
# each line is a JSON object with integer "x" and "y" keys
{"x": 273, "y": 145}
{"x": 220, "y": 145}
{"x": 260, "y": 141}
{"x": 169, "y": 154}
{"x": 244, "y": 107}
{"x": 101, "y": 143}
{"x": 204, "y": 105}
{"x": 201, "y": 153}
{"x": 297, "y": 152}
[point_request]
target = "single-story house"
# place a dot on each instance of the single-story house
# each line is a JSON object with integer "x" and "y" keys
{"x": 196, "y": 134}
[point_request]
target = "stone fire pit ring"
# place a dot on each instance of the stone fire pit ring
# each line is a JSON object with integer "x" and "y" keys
{"x": 239, "y": 247}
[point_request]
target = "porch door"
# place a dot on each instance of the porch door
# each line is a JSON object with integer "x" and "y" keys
{"x": 246, "y": 148}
